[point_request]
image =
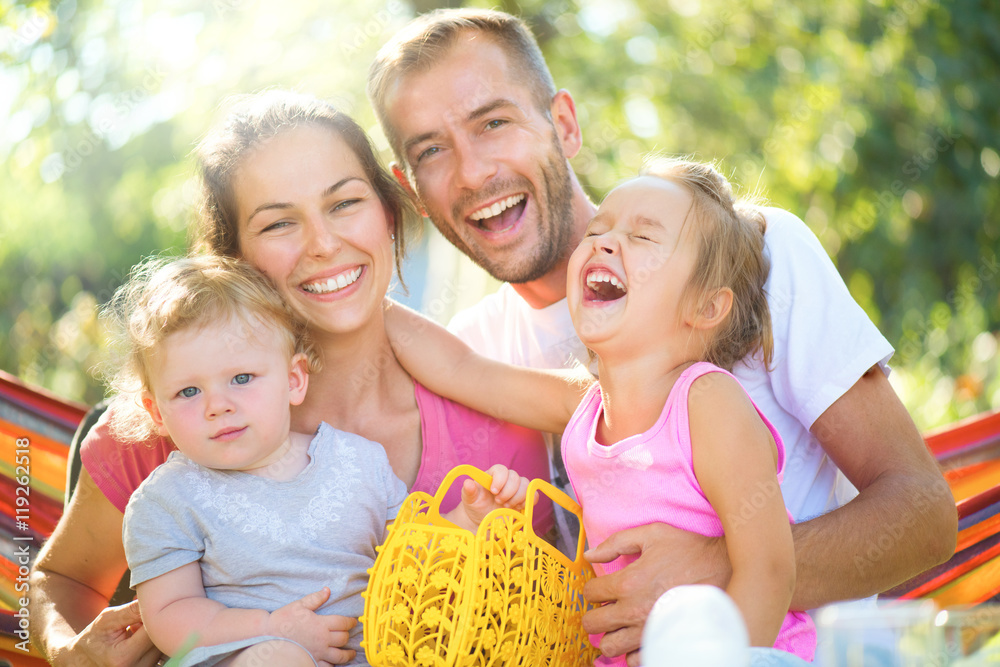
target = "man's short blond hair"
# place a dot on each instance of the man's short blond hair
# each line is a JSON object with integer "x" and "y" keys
{"x": 429, "y": 37}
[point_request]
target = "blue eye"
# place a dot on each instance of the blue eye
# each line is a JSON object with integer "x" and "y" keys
{"x": 427, "y": 153}
{"x": 275, "y": 225}
{"x": 345, "y": 204}
{"x": 242, "y": 378}
{"x": 188, "y": 392}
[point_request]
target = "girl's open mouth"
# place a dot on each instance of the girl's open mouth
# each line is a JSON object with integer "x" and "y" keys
{"x": 602, "y": 285}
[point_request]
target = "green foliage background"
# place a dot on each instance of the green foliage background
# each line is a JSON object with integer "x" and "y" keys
{"x": 875, "y": 121}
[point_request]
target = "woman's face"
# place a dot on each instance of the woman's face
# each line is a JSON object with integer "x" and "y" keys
{"x": 310, "y": 220}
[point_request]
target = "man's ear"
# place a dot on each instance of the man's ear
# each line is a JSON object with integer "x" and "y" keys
{"x": 715, "y": 309}
{"x": 563, "y": 110}
{"x": 149, "y": 403}
{"x": 404, "y": 181}
{"x": 298, "y": 379}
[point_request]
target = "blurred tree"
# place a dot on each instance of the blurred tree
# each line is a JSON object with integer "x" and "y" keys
{"x": 877, "y": 122}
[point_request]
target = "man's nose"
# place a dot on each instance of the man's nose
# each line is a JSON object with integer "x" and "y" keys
{"x": 474, "y": 168}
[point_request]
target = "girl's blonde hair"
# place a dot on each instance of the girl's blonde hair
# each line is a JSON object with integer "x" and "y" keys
{"x": 730, "y": 238}
{"x": 167, "y": 295}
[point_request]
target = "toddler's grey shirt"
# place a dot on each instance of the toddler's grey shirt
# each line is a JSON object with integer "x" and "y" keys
{"x": 264, "y": 543}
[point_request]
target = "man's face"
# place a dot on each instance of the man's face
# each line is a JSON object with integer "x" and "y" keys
{"x": 488, "y": 165}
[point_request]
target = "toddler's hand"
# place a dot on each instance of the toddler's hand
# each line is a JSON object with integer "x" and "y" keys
{"x": 322, "y": 635}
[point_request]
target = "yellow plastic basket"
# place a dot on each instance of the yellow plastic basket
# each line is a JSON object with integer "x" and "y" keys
{"x": 440, "y": 596}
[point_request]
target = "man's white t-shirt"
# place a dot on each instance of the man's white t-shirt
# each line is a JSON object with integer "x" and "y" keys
{"x": 823, "y": 343}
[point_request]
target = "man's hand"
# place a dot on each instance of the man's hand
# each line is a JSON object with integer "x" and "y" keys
{"x": 115, "y": 638}
{"x": 324, "y": 636}
{"x": 668, "y": 557}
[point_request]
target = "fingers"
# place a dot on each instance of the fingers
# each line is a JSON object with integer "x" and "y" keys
{"x": 149, "y": 658}
{"x": 622, "y": 642}
{"x": 471, "y": 492}
{"x": 508, "y": 488}
{"x": 341, "y": 623}
{"x": 122, "y": 616}
{"x": 314, "y": 601}
{"x": 335, "y": 656}
{"x": 338, "y": 638}
{"x": 626, "y": 542}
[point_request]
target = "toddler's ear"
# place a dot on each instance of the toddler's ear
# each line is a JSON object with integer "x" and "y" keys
{"x": 715, "y": 309}
{"x": 298, "y": 378}
{"x": 149, "y": 403}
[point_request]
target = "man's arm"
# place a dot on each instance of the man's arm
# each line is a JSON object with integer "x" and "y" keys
{"x": 902, "y": 522}
{"x": 72, "y": 580}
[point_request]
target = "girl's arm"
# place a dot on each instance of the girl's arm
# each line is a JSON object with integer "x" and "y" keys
{"x": 174, "y": 608}
{"x": 735, "y": 462}
{"x": 539, "y": 399}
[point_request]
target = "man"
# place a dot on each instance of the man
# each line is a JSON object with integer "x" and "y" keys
{"x": 483, "y": 138}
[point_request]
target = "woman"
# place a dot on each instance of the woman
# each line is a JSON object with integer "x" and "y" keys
{"x": 292, "y": 186}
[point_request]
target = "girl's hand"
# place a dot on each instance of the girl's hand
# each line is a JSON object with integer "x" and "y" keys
{"x": 322, "y": 635}
{"x": 507, "y": 489}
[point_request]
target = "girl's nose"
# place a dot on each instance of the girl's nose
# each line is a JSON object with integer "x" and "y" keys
{"x": 606, "y": 244}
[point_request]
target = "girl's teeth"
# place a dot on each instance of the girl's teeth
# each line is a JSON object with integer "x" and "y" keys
{"x": 604, "y": 277}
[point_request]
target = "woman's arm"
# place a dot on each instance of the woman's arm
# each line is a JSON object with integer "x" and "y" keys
{"x": 175, "y": 608}
{"x": 735, "y": 462}
{"x": 72, "y": 580}
{"x": 538, "y": 399}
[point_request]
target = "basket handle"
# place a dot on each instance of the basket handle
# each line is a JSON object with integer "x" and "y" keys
{"x": 559, "y": 497}
{"x": 535, "y": 485}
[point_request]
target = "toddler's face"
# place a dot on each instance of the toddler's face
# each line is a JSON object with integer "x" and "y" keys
{"x": 627, "y": 277}
{"x": 222, "y": 393}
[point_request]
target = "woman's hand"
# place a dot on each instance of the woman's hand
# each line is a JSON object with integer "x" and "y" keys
{"x": 115, "y": 638}
{"x": 322, "y": 635}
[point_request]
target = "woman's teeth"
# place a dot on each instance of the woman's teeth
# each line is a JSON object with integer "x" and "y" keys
{"x": 334, "y": 284}
{"x": 497, "y": 208}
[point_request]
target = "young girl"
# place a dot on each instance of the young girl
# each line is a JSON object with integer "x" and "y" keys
{"x": 249, "y": 528}
{"x": 666, "y": 289}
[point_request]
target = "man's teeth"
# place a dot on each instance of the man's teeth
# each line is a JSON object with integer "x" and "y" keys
{"x": 333, "y": 284}
{"x": 497, "y": 208}
{"x": 604, "y": 277}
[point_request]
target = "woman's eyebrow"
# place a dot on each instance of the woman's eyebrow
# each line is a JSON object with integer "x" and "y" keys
{"x": 270, "y": 206}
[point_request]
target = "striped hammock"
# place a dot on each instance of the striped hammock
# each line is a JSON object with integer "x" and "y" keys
{"x": 40, "y": 425}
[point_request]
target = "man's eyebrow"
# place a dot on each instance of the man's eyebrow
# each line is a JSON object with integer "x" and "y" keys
{"x": 490, "y": 107}
{"x": 475, "y": 114}
{"x": 270, "y": 206}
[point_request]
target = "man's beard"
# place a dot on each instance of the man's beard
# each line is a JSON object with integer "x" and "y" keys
{"x": 555, "y": 228}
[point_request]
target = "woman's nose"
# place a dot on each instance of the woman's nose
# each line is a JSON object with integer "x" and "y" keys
{"x": 323, "y": 241}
